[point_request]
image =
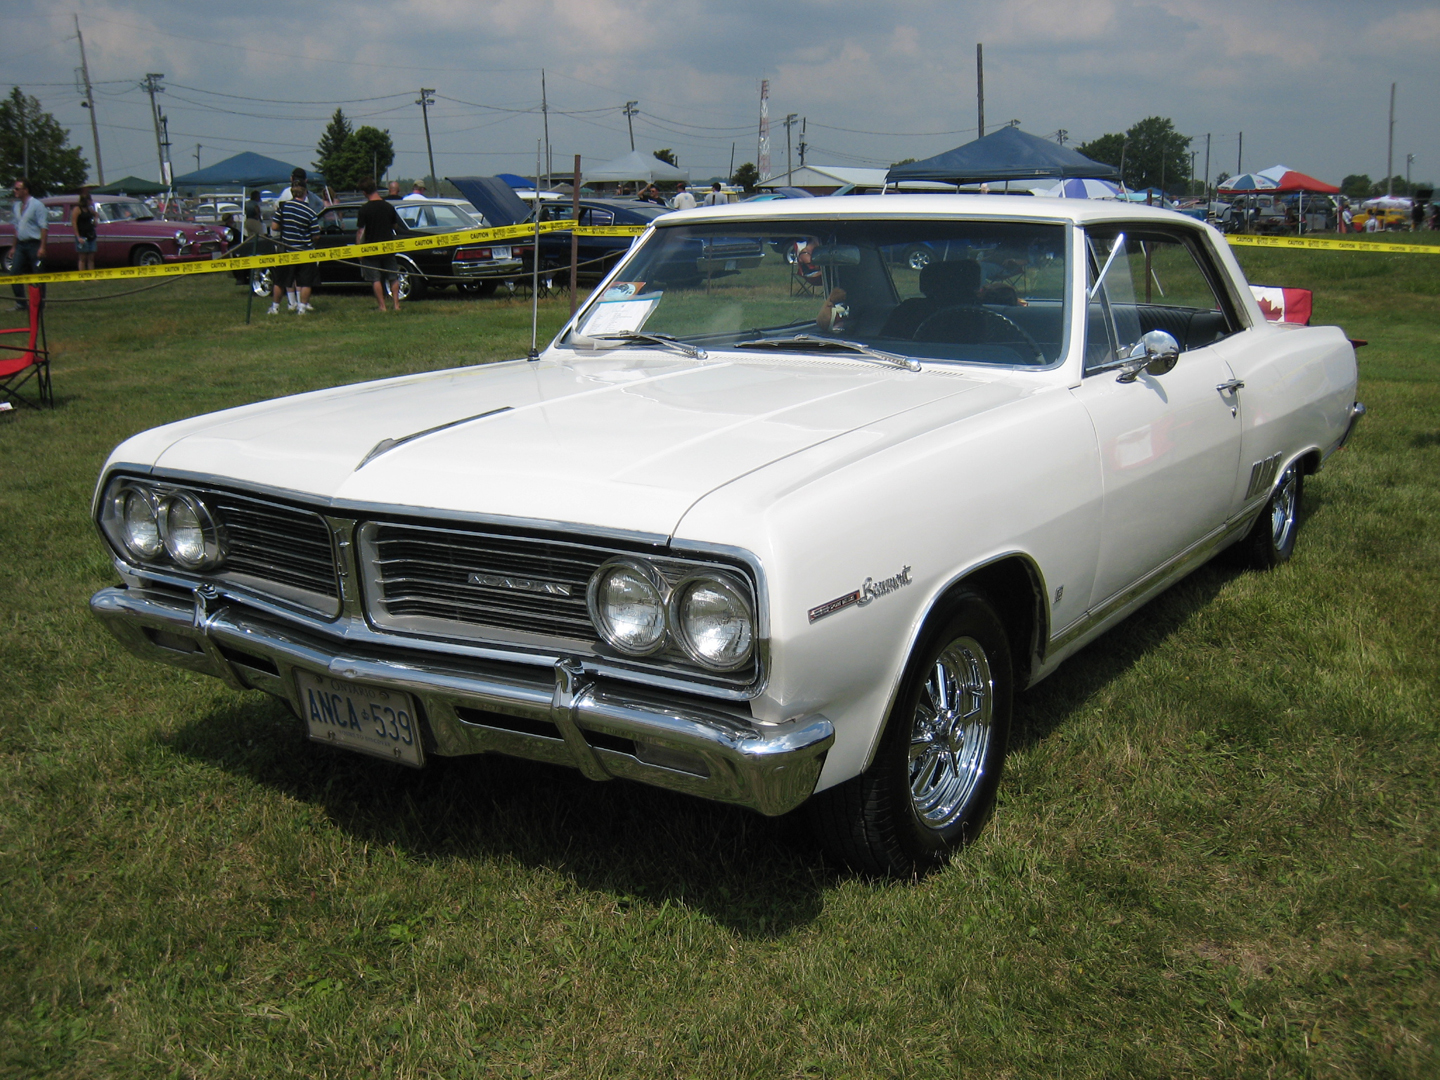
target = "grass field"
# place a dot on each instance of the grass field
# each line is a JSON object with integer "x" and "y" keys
{"x": 1215, "y": 852}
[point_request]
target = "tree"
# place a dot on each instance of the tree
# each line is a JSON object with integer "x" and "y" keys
{"x": 667, "y": 155}
{"x": 902, "y": 161}
{"x": 1356, "y": 186}
{"x": 27, "y": 130}
{"x": 1107, "y": 149}
{"x": 1153, "y": 154}
{"x": 367, "y": 152}
{"x": 332, "y": 142}
{"x": 746, "y": 176}
{"x": 1398, "y": 186}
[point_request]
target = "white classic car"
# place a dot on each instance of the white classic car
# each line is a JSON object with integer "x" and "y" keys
{"x": 763, "y": 531}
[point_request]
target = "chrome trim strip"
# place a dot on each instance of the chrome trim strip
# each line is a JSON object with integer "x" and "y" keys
{"x": 769, "y": 768}
{"x": 386, "y": 445}
{"x": 1152, "y": 584}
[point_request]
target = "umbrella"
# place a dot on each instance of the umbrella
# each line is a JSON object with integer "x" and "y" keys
{"x": 1081, "y": 189}
{"x": 1276, "y": 180}
{"x": 1387, "y": 202}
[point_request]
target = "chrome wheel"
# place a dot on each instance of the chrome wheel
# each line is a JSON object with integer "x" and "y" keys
{"x": 950, "y": 734}
{"x": 1282, "y": 509}
{"x": 918, "y": 258}
{"x": 261, "y": 283}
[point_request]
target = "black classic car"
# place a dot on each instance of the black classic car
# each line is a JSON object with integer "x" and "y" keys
{"x": 471, "y": 268}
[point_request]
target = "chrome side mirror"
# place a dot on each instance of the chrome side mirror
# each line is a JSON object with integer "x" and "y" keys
{"x": 1155, "y": 354}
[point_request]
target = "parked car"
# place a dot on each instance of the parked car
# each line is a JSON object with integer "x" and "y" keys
{"x": 127, "y": 234}
{"x": 760, "y": 544}
{"x": 473, "y": 268}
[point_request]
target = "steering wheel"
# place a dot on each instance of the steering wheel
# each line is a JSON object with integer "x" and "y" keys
{"x": 970, "y": 324}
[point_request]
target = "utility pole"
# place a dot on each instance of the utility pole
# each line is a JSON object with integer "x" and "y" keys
{"x": 790, "y": 120}
{"x": 1390, "y": 147}
{"x": 545, "y": 114}
{"x": 803, "y": 121}
{"x": 197, "y": 157}
{"x": 1240, "y": 155}
{"x": 24, "y": 141}
{"x": 1061, "y": 136}
{"x": 152, "y": 86}
{"x": 425, "y": 101}
{"x": 1207, "y": 176}
{"x": 1409, "y": 160}
{"x": 89, "y": 103}
{"x": 630, "y": 112}
{"x": 762, "y": 152}
{"x": 980, "y": 85}
{"x": 1190, "y": 183}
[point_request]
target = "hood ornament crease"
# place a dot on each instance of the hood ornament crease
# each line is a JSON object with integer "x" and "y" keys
{"x": 386, "y": 445}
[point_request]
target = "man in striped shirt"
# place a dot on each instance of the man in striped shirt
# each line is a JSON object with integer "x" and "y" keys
{"x": 297, "y": 224}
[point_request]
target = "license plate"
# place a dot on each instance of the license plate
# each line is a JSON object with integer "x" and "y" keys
{"x": 499, "y": 252}
{"x": 359, "y": 717}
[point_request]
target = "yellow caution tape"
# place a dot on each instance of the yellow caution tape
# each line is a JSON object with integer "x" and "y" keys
{"x": 1320, "y": 243}
{"x": 348, "y": 251}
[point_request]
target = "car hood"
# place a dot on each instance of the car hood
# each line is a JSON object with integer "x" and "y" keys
{"x": 621, "y": 441}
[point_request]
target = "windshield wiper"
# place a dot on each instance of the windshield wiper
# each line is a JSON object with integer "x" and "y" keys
{"x": 637, "y": 337}
{"x": 801, "y": 342}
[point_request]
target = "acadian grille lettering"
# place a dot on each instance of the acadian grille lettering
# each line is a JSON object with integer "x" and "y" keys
{"x": 519, "y": 584}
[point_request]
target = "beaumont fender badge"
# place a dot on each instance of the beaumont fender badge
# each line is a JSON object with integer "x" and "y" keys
{"x": 868, "y": 591}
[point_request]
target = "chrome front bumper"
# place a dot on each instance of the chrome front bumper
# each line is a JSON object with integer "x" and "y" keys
{"x": 557, "y": 714}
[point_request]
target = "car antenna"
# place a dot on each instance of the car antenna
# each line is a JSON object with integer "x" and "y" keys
{"x": 535, "y": 264}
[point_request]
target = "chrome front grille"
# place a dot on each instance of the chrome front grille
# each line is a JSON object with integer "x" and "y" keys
{"x": 420, "y": 577}
{"x": 274, "y": 544}
{"x": 528, "y": 590}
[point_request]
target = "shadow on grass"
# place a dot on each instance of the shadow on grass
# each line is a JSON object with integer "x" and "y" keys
{"x": 758, "y": 876}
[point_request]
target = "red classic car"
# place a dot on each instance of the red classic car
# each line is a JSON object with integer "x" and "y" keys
{"x": 128, "y": 234}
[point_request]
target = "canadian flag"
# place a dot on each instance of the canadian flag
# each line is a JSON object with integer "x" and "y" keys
{"x": 1283, "y": 305}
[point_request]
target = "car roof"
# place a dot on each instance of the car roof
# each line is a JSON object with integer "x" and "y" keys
{"x": 948, "y": 205}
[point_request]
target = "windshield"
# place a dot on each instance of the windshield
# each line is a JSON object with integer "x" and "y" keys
{"x": 988, "y": 292}
{"x": 128, "y": 210}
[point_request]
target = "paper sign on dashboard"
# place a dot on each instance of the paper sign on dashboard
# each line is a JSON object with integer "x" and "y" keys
{"x": 620, "y": 316}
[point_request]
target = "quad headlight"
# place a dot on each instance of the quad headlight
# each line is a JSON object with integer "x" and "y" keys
{"x": 713, "y": 621}
{"x": 707, "y": 614}
{"x": 627, "y": 605}
{"x": 155, "y": 525}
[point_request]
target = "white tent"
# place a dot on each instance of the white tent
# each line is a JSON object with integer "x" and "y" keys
{"x": 636, "y": 165}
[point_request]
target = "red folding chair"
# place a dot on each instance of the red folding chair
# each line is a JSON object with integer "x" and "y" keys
{"x": 21, "y": 363}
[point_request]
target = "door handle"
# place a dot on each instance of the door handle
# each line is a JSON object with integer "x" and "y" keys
{"x": 1229, "y": 386}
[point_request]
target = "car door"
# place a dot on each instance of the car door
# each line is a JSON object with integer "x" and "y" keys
{"x": 337, "y": 229}
{"x": 1169, "y": 443}
{"x": 59, "y": 236}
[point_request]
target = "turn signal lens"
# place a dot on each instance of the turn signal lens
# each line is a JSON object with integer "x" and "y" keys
{"x": 627, "y": 605}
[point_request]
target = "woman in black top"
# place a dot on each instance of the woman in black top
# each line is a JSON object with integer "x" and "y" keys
{"x": 82, "y": 219}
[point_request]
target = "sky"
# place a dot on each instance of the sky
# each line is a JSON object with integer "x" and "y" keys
{"x": 1307, "y": 82}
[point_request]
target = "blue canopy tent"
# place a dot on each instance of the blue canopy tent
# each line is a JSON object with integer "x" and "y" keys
{"x": 1007, "y": 154}
{"x": 245, "y": 170}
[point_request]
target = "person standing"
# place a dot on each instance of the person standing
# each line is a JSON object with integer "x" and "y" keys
{"x": 377, "y": 220}
{"x": 82, "y": 220}
{"x": 254, "y": 216}
{"x": 716, "y": 197}
{"x": 31, "y": 225}
{"x": 297, "y": 225}
{"x": 393, "y": 191}
{"x": 683, "y": 200}
{"x": 416, "y": 192}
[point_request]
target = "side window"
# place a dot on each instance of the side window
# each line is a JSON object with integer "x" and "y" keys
{"x": 597, "y": 216}
{"x": 408, "y": 214}
{"x": 54, "y": 214}
{"x": 1156, "y": 280}
{"x": 330, "y": 221}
